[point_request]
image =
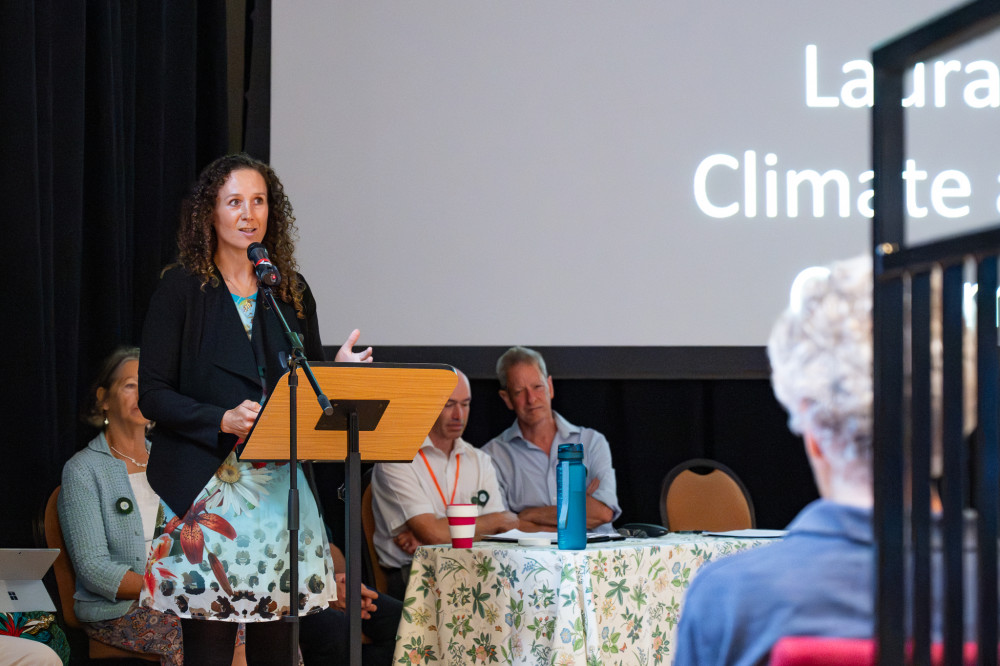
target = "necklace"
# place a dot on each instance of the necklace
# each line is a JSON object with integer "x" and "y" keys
{"x": 125, "y": 455}
{"x": 235, "y": 279}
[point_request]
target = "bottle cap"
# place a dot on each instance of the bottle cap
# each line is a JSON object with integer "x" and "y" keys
{"x": 570, "y": 451}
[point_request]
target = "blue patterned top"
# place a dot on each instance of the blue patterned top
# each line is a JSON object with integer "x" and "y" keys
{"x": 246, "y": 306}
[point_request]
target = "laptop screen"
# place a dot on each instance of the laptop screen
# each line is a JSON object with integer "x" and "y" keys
{"x": 21, "y": 572}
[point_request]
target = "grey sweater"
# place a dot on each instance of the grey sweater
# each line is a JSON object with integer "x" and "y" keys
{"x": 103, "y": 540}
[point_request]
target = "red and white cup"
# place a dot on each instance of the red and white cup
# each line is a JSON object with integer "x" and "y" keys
{"x": 462, "y": 524}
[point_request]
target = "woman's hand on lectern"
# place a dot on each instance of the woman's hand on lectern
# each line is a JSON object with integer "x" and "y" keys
{"x": 240, "y": 419}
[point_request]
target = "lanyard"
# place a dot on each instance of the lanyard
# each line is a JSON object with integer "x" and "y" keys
{"x": 458, "y": 466}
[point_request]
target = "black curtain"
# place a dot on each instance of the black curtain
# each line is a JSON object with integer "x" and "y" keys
{"x": 653, "y": 425}
{"x": 257, "y": 80}
{"x": 108, "y": 110}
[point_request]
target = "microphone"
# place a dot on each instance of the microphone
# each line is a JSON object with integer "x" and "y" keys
{"x": 267, "y": 274}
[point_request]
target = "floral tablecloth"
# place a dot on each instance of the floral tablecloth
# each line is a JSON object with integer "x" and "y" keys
{"x": 613, "y": 603}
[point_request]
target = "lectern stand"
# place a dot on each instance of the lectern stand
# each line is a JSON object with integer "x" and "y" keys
{"x": 381, "y": 413}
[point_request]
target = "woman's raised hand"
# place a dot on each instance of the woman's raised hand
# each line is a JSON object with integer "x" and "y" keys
{"x": 346, "y": 353}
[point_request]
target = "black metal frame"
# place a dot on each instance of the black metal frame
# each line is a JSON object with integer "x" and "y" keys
{"x": 902, "y": 367}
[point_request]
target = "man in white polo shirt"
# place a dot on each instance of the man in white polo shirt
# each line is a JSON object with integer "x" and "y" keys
{"x": 409, "y": 499}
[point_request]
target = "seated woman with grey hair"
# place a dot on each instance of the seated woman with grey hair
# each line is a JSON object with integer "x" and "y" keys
{"x": 109, "y": 516}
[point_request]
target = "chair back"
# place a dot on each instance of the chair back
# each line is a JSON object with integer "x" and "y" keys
{"x": 703, "y": 494}
{"x": 822, "y": 651}
{"x": 62, "y": 567}
{"x": 370, "y": 557}
{"x": 66, "y": 583}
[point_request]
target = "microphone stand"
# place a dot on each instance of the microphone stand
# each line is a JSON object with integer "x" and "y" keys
{"x": 296, "y": 359}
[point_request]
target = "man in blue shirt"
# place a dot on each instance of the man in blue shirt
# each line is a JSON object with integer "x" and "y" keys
{"x": 526, "y": 454}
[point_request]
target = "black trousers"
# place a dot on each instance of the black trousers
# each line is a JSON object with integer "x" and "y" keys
{"x": 396, "y": 580}
{"x": 381, "y": 628}
{"x": 323, "y": 638}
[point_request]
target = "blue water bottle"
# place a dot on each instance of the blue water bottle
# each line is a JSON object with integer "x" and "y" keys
{"x": 571, "y": 481}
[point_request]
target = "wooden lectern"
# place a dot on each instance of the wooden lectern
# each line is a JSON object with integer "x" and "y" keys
{"x": 381, "y": 413}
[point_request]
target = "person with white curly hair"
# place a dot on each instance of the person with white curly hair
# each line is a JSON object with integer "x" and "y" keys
{"x": 819, "y": 580}
{"x": 821, "y": 372}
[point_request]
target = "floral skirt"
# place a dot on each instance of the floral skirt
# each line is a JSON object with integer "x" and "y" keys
{"x": 142, "y": 630}
{"x": 227, "y": 559}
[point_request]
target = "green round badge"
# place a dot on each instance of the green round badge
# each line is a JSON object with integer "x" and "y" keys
{"x": 124, "y": 505}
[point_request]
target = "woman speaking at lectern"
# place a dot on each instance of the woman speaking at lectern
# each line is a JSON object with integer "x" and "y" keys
{"x": 211, "y": 354}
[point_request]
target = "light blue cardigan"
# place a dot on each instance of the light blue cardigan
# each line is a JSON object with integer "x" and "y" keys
{"x": 102, "y": 540}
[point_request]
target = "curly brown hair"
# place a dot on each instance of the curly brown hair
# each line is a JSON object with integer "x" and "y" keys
{"x": 196, "y": 240}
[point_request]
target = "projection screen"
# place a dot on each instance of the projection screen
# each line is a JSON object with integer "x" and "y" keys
{"x": 585, "y": 173}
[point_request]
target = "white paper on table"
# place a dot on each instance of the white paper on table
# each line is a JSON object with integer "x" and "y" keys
{"x": 750, "y": 534}
{"x": 515, "y": 535}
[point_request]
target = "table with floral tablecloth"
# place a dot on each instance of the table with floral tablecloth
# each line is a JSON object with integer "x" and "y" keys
{"x": 612, "y": 603}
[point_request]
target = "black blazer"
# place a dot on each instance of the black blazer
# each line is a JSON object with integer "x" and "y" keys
{"x": 196, "y": 363}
